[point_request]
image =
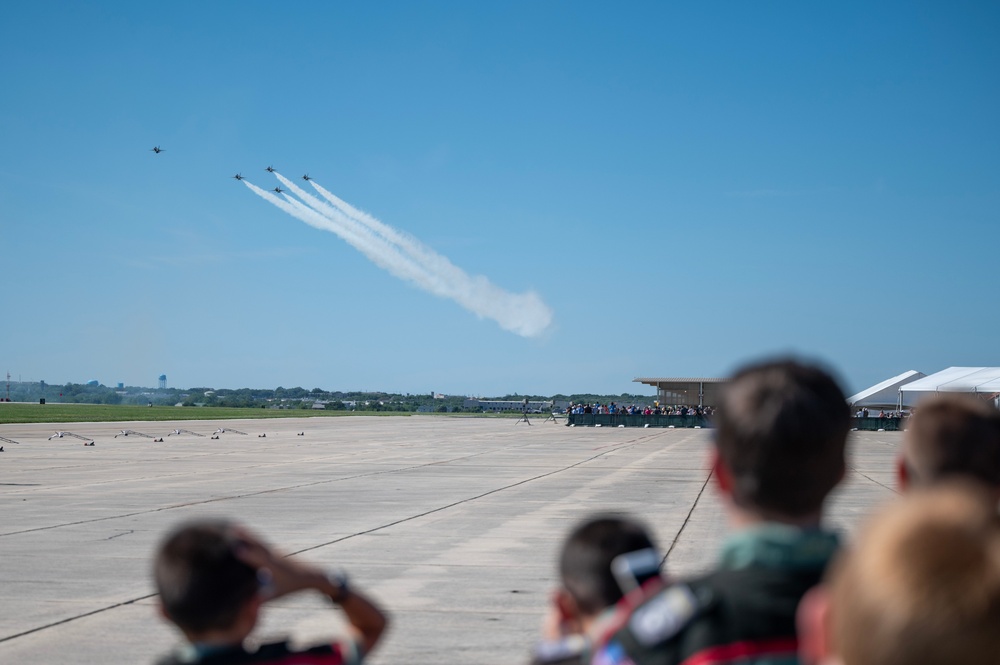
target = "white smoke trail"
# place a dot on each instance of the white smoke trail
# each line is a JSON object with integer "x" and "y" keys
{"x": 406, "y": 257}
{"x": 408, "y": 243}
{"x": 381, "y": 254}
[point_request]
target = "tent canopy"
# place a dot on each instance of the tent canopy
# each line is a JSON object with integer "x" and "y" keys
{"x": 957, "y": 380}
{"x": 885, "y": 393}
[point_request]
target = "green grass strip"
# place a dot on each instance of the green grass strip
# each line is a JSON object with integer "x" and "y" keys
{"x": 94, "y": 413}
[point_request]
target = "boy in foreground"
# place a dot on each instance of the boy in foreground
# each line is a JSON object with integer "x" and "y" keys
{"x": 780, "y": 437}
{"x": 589, "y": 589}
{"x": 214, "y": 576}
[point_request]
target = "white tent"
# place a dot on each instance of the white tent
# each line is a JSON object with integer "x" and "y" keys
{"x": 980, "y": 380}
{"x": 885, "y": 393}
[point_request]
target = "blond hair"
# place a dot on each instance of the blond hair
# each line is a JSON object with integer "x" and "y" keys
{"x": 923, "y": 584}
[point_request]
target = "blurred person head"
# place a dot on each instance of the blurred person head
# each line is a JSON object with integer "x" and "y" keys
{"x": 780, "y": 438}
{"x": 203, "y": 586}
{"x": 921, "y": 586}
{"x": 951, "y": 436}
{"x": 588, "y": 586}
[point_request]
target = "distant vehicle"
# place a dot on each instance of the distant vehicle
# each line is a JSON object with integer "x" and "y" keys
{"x": 279, "y": 190}
{"x": 306, "y": 177}
{"x": 270, "y": 169}
{"x": 157, "y": 149}
{"x": 238, "y": 176}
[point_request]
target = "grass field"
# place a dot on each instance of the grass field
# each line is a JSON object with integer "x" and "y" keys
{"x": 93, "y": 413}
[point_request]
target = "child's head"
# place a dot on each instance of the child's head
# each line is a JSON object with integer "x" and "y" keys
{"x": 952, "y": 436}
{"x": 922, "y": 584}
{"x": 203, "y": 586}
{"x": 585, "y": 562}
{"x": 781, "y": 432}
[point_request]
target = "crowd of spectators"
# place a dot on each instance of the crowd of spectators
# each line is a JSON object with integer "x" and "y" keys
{"x": 644, "y": 410}
{"x": 864, "y": 412}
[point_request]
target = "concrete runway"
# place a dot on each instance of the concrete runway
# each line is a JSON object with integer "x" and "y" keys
{"x": 451, "y": 523}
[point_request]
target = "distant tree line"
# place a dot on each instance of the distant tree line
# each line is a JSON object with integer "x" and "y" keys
{"x": 280, "y": 397}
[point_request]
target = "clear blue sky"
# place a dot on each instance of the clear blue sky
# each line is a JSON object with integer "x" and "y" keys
{"x": 686, "y": 186}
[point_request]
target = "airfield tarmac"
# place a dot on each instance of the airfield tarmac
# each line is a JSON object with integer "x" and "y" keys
{"x": 452, "y": 524}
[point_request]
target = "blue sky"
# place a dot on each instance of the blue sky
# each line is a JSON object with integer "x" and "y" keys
{"x": 686, "y": 186}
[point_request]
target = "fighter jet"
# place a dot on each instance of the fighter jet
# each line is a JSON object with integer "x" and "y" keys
{"x": 306, "y": 177}
{"x": 157, "y": 149}
{"x": 279, "y": 190}
{"x": 270, "y": 169}
{"x": 238, "y": 176}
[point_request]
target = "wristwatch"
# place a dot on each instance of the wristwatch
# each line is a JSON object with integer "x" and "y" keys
{"x": 338, "y": 578}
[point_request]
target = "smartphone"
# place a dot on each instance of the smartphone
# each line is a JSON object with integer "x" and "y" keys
{"x": 632, "y": 569}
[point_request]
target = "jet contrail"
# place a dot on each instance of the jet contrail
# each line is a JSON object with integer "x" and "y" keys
{"x": 406, "y": 257}
{"x": 383, "y": 256}
{"x": 420, "y": 252}
{"x": 446, "y": 275}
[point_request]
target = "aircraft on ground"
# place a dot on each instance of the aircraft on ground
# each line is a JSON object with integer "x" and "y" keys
{"x": 157, "y": 149}
{"x": 279, "y": 190}
{"x": 306, "y": 177}
{"x": 270, "y": 169}
{"x": 238, "y": 176}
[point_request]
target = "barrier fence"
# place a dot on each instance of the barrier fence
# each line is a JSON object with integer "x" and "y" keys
{"x": 616, "y": 419}
{"x": 875, "y": 424}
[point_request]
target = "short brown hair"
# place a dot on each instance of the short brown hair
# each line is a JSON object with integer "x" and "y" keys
{"x": 585, "y": 562}
{"x": 953, "y": 435}
{"x": 202, "y": 584}
{"x": 781, "y": 431}
{"x": 923, "y": 584}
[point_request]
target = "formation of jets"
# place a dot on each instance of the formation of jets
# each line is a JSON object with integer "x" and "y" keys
{"x": 269, "y": 169}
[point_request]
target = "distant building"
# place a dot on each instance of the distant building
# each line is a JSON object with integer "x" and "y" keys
{"x": 93, "y": 383}
{"x": 495, "y": 405}
{"x": 121, "y": 385}
{"x": 693, "y": 391}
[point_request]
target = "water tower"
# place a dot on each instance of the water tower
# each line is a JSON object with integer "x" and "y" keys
{"x": 163, "y": 381}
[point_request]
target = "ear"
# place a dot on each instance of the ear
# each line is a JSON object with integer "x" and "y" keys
{"x": 247, "y": 618}
{"x": 562, "y": 618}
{"x": 162, "y": 611}
{"x": 902, "y": 474}
{"x": 565, "y": 605}
{"x": 813, "y": 622}
{"x": 723, "y": 479}
{"x": 253, "y": 607}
